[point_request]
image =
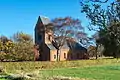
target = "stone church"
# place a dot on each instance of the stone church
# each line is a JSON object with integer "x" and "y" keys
{"x": 48, "y": 52}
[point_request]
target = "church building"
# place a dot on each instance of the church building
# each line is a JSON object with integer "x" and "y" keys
{"x": 47, "y": 51}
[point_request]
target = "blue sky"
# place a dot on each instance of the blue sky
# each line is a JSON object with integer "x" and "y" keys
{"x": 21, "y": 15}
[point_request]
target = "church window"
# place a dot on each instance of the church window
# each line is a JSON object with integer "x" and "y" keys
{"x": 48, "y": 37}
{"x": 65, "y": 55}
{"x": 54, "y": 56}
{"x": 39, "y": 37}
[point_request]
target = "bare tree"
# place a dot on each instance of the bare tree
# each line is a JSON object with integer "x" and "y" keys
{"x": 64, "y": 29}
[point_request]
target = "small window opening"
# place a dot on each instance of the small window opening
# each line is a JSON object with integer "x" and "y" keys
{"x": 54, "y": 56}
{"x": 65, "y": 55}
{"x": 48, "y": 37}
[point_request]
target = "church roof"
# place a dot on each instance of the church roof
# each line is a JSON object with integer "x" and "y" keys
{"x": 75, "y": 45}
{"x": 45, "y": 20}
{"x": 65, "y": 46}
{"x": 51, "y": 46}
{"x": 42, "y": 20}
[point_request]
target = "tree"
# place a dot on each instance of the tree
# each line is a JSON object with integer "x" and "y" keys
{"x": 23, "y": 46}
{"x": 92, "y": 51}
{"x": 6, "y": 48}
{"x": 23, "y": 51}
{"x": 83, "y": 39}
{"x": 4, "y": 39}
{"x": 20, "y": 36}
{"x": 107, "y": 21}
{"x": 6, "y": 44}
{"x": 20, "y": 49}
{"x": 64, "y": 29}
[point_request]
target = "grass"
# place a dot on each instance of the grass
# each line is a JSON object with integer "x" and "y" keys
{"x": 101, "y": 69}
{"x": 31, "y": 66}
{"x": 91, "y": 73}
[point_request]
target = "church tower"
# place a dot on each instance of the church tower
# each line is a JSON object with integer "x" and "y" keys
{"x": 41, "y": 35}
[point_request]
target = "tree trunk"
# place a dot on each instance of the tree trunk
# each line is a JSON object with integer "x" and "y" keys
{"x": 96, "y": 52}
{"x": 114, "y": 55}
{"x": 96, "y": 56}
{"x": 58, "y": 59}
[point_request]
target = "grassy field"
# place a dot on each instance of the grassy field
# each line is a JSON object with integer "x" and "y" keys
{"x": 90, "y": 73}
{"x": 102, "y": 69}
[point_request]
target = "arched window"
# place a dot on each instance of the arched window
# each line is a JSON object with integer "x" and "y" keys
{"x": 65, "y": 55}
{"x": 49, "y": 37}
{"x": 39, "y": 38}
{"x": 54, "y": 56}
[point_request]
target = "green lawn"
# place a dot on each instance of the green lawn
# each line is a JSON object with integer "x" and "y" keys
{"x": 101, "y": 69}
{"x": 92, "y": 73}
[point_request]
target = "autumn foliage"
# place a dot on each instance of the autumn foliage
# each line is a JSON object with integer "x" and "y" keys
{"x": 20, "y": 48}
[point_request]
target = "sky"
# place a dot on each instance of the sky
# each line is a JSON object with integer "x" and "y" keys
{"x": 21, "y": 15}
